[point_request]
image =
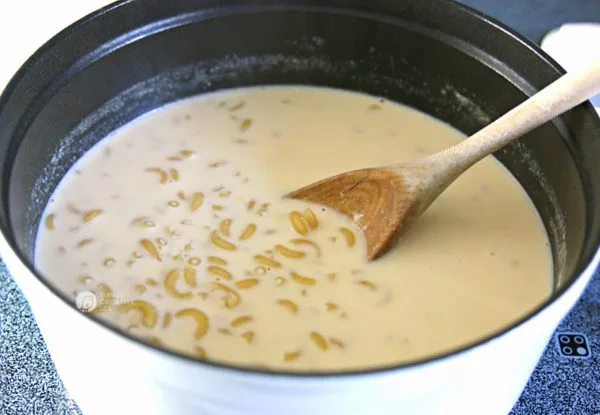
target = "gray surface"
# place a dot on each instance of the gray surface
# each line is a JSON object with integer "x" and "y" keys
{"x": 560, "y": 386}
{"x": 534, "y": 18}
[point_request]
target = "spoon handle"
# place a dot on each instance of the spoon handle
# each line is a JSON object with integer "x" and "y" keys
{"x": 560, "y": 96}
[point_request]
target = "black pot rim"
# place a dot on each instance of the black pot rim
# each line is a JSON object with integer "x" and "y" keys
{"x": 249, "y": 370}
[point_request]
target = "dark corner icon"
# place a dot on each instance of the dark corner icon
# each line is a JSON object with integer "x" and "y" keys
{"x": 573, "y": 345}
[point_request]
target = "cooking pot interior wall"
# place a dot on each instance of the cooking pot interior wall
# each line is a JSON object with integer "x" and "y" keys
{"x": 406, "y": 63}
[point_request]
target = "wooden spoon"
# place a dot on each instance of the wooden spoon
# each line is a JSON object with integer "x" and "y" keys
{"x": 385, "y": 201}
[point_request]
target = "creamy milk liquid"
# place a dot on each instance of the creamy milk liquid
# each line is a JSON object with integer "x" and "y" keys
{"x": 176, "y": 223}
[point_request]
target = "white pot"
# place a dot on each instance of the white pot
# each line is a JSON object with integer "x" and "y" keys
{"x": 108, "y": 373}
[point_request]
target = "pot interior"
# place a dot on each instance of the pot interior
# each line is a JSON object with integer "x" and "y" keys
{"x": 437, "y": 57}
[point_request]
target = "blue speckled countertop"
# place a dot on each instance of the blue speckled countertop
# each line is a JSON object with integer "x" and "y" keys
{"x": 566, "y": 381}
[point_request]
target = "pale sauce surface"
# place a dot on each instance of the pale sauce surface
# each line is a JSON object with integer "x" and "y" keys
{"x": 478, "y": 260}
